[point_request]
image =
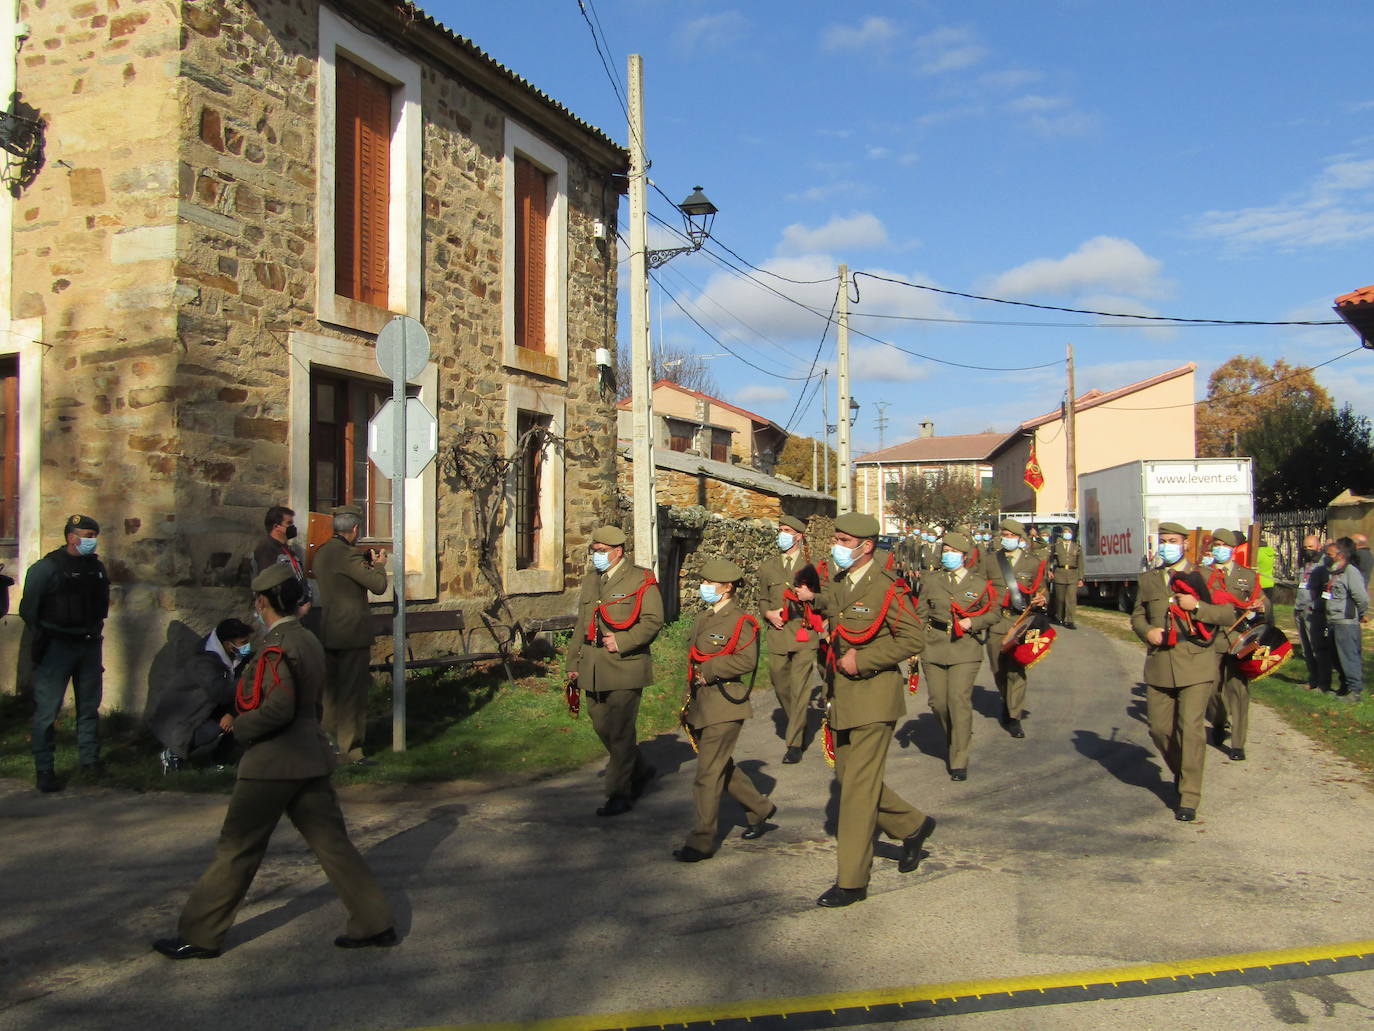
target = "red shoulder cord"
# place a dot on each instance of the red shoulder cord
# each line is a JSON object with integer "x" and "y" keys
{"x": 695, "y": 656}
{"x": 600, "y": 610}
{"x": 1216, "y": 583}
{"x": 811, "y": 621}
{"x": 1180, "y": 619}
{"x": 1029, "y": 592}
{"x": 249, "y": 696}
{"x": 957, "y": 613}
{"x": 896, "y": 590}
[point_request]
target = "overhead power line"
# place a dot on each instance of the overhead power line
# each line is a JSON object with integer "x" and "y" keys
{"x": 1244, "y": 393}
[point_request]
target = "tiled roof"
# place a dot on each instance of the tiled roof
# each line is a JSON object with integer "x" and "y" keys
{"x": 753, "y": 416}
{"x": 1356, "y": 298}
{"x": 729, "y": 472}
{"x": 965, "y": 447}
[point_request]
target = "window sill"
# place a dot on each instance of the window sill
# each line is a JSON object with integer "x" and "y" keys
{"x": 536, "y": 362}
{"x": 534, "y": 581}
{"x": 351, "y": 314}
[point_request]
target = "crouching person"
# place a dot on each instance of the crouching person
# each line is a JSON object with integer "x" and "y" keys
{"x": 285, "y": 769}
{"x": 194, "y": 714}
{"x": 724, "y": 651}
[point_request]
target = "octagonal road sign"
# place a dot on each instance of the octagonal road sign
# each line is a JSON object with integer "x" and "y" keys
{"x": 402, "y": 349}
{"x": 421, "y": 444}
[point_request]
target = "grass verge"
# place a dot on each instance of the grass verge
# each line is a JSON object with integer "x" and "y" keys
{"x": 461, "y": 724}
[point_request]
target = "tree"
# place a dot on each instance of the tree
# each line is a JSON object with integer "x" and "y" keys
{"x": 949, "y": 498}
{"x": 795, "y": 461}
{"x": 672, "y": 362}
{"x": 1244, "y": 389}
{"x": 1305, "y": 461}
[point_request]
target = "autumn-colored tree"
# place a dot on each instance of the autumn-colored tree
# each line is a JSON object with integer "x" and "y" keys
{"x": 671, "y": 362}
{"x": 1242, "y": 391}
{"x": 795, "y": 461}
{"x": 945, "y": 499}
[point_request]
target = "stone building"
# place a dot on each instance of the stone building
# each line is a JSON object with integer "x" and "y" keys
{"x": 237, "y": 196}
{"x": 695, "y": 423}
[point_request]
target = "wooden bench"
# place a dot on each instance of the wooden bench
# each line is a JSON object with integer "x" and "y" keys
{"x": 452, "y": 621}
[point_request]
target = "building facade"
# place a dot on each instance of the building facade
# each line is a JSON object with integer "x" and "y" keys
{"x": 691, "y": 422}
{"x": 879, "y": 476}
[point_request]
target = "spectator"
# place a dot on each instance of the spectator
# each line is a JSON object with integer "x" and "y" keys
{"x": 1340, "y": 603}
{"x": 1309, "y": 561}
{"x": 1264, "y": 566}
{"x": 278, "y": 546}
{"x": 1364, "y": 558}
{"x": 193, "y": 717}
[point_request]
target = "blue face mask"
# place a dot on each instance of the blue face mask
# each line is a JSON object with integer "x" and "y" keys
{"x": 1170, "y": 552}
{"x": 709, "y": 594}
{"x": 785, "y": 541}
{"x": 1009, "y": 544}
{"x": 1221, "y": 553}
{"x": 1207, "y": 560}
{"x": 86, "y": 545}
{"x": 844, "y": 557}
{"x": 1067, "y": 538}
{"x": 601, "y": 560}
{"x": 245, "y": 648}
{"x": 951, "y": 560}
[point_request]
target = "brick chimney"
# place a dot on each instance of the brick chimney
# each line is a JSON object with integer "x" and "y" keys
{"x": 927, "y": 428}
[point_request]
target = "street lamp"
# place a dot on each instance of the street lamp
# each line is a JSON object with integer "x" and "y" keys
{"x": 853, "y": 411}
{"x": 698, "y": 215}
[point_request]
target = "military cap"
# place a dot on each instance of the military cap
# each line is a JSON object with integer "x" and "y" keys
{"x": 857, "y": 524}
{"x": 792, "y": 522}
{"x": 611, "y": 536}
{"x": 1228, "y": 537}
{"x": 80, "y": 522}
{"x": 721, "y": 571}
{"x": 955, "y": 539}
{"x": 1013, "y": 526}
{"x": 1174, "y": 528}
{"x": 274, "y": 575}
{"x": 347, "y": 510}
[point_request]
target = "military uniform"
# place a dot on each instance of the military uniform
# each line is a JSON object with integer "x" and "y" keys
{"x": 284, "y": 770}
{"x": 952, "y": 655}
{"x": 345, "y": 578}
{"x": 871, "y": 616}
{"x": 1027, "y": 568}
{"x": 624, "y": 601}
{"x": 724, "y": 651}
{"x": 66, "y": 599}
{"x": 1068, "y": 571}
{"x": 1231, "y": 704}
{"x": 791, "y": 650}
{"x": 1179, "y": 677}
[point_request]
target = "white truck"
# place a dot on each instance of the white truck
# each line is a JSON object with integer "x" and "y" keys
{"x": 1121, "y": 509}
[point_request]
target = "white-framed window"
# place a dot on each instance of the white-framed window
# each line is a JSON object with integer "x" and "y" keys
{"x": 534, "y": 294}
{"x": 532, "y": 545}
{"x": 368, "y": 179}
{"x": 21, "y": 358}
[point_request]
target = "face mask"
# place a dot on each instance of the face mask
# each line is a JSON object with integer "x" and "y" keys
{"x": 291, "y": 531}
{"x": 1327, "y": 560}
{"x": 844, "y": 557}
{"x": 257, "y": 614}
{"x": 601, "y": 560}
{"x": 951, "y": 560}
{"x": 785, "y": 541}
{"x": 709, "y": 594}
{"x": 1009, "y": 544}
{"x": 1221, "y": 553}
{"x": 1023, "y": 543}
{"x": 1170, "y": 552}
{"x": 1068, "y": 538}
{"x": 86, "y": 545}
{"x": 245, "y": 648}
{"x": 1207, "y": 560}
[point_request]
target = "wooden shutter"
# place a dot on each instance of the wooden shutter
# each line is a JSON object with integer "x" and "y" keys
{"x": 9, "y": 440}
{"x": 362, "y": 160}
{"x": 531, "y": 234}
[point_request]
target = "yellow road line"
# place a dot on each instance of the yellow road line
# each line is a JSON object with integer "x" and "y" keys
{"x": 931, "y": 992}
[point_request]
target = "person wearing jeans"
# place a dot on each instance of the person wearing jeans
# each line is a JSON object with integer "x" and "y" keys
{"x": 1340, "y": 603}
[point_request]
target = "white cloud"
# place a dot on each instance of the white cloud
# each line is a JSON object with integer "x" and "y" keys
{"x": 948, "y": 50}
{"x": 878, "y": 153}
{"x": 1102, "y": 263}
{"x": 1034, "y": 103}
{"x": 873, "y": 32}
{"x": 1009, "y": 78}
{"x": 758, "y": 393}
{"x": 1070, "y": 123}
{"x": 1336, "y": 207}
{"x": 712, "y": 31}
{"x": 839, "y": 234}
{"x": 877, "y": 363}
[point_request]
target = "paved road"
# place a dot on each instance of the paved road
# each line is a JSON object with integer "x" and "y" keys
{"x": 1059, "y": 853}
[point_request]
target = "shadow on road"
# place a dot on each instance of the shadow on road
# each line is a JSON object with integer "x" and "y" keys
{"x": 1129, "y": 763}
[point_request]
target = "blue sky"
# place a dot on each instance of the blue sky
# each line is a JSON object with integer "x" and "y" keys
{"x": 1206, "y": 160}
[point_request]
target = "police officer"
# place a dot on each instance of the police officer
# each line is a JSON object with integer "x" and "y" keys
{"x": 345, "y": 576}
{"x": 1068, "y": 577}
{"x": 619, "y": 613}
{"x": 723, "y": 652}
{"x": 285, "y": 770}
{"x": 956, "y": 605}
{"x": 873, "y": 629}
{"x": 1230, "y": 707}
{"x": 1018, "y": 574}
{"x": 66, "y": 599}
{"x": 791, "y": 642}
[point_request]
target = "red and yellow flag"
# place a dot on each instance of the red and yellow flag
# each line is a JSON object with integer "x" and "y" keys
{"x": 1034, "y": 477}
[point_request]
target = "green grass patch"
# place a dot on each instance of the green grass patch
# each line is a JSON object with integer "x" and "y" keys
{"x": 461, "y": 724}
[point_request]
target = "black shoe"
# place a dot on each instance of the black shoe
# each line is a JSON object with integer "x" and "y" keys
{"x": 47, "y": 781}
{"x": 1185, "y": 814}
{"x": 688, "y": 854}
{"x": 180, "y": 948}
{"x": 958, "y": 774}
{"x": 640, "y": 780}
{"x": 758, "y": 830}
{"x": 1014, "y": 728}
{"x": 1237, "y": 755}
{"x": 836, "y": 897}
{"x": 1071, "y": 626}
{"x": 792, "y": 755}
{"x": 381, "y": 940}
{"x": 364, "y": 761}
{"x": 911, "y": 846}
{"x": 615, "y": 805}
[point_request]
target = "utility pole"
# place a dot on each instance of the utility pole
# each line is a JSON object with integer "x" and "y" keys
{"x": 882, "y": 421}
{"x": 641, "y": 357}
{"x": 815, "y": 446}
{"x": 825, "y": 424}
{"x": 1070, "y": 441}
{"x": 842, "y": 493}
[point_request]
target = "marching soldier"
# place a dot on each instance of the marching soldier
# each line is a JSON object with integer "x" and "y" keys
{"x": 1231, "y": 583}
{"x": 724, "y": 649}
{"x": 1180, "y": 662}
{"x": 1018, "y": 574}
{"x": 1068, "y": 577}
{"x": 619, "y": 613}
{"x": 956, "y": 605}
{"x": 791, "y": 640}
{"x": 873, "y": 628}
